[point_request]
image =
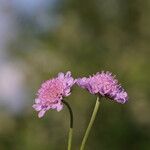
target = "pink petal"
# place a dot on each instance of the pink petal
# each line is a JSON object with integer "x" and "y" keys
{"x": 37, "y": 100}
{"x": 61, "y": 75}
{"x": 41, "y": 113}
{"x": 37, "y": 107}
{"x": 59, "y": 107}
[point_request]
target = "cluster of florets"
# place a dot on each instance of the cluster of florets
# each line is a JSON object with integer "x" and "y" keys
{"x": 52, "y": 92}
{"x": 105, "y": 85}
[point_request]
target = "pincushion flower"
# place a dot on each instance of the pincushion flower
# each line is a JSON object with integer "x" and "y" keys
{"x": 104, "y": 84}
{"x": 52, "y": 92}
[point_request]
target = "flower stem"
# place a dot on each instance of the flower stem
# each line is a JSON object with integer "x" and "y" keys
{"x": 71, "y": 124}
{"x": 70, "y": 138}
{"x": 90, "y": 124}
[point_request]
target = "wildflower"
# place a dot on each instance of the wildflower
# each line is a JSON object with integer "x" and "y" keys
{"x": 52, "y": 92}
{"x": 104, "y": 84}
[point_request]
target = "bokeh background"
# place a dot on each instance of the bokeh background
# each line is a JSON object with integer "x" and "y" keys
{"x": 39, "y": 38}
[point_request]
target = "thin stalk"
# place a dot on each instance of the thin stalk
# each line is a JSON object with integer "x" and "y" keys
{"x": 70, "y": 138}
{"x": 71, "y": 124}
{"x": 90, "y": 124}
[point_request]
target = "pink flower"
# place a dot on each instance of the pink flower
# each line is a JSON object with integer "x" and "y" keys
{"x": 104, "y": 84}
{"x": 52, "y": 92}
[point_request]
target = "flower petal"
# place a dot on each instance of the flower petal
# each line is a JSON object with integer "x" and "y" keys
{"x": 41, "y": 113}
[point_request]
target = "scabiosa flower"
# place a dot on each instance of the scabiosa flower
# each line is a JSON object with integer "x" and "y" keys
{"x": 51, "y": 93}
{"x": 104, "y": 84}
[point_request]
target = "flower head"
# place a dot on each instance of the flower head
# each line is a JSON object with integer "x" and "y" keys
{"x": 104, "y": 84}
{"x": 51, "y": 93}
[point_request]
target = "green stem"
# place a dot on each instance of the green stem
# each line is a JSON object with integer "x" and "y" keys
{"x": 90, "y": 124}
{"x": 70, "y": 138}
{"x": 71, "y": 124}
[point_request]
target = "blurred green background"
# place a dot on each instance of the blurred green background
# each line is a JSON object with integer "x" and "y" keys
{"x": 39, "y": 38}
